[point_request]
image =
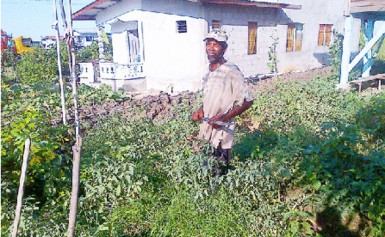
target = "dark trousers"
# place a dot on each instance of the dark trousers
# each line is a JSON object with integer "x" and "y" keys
{"x": 223, "y": 157}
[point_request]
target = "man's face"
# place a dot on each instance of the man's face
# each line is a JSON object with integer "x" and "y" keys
{"x": 214, "y": 51}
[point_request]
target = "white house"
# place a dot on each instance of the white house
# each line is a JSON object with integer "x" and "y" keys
{"x": 48, "y": 42}
{"x": 159, "y": 44}
{"x": 85, "y": 37}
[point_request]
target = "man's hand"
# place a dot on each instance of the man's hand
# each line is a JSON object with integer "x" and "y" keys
{"x": 224, "y": 118}
{"x": 197, "y": 115}
{"x": 217, "y": 119}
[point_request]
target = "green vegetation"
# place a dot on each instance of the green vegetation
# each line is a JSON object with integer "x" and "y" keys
{"x": 309, "y": 161}
{"x": 379, "y": 62}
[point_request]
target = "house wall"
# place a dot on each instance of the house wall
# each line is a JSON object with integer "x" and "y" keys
{"x": 234, "y": 20}
{"x": 172, "y": 60}
{"x": 312, "y": 14}
{"x": 378, "y": 25}
{"x": 273, "y": 23}
{"x": 178, "y": 59}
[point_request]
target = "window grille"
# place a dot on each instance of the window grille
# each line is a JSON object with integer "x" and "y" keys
{"x": 215, "y": 24}
{"x": 294, "y": 37}
{"x": 324, "y": 34}
{"x": 252, "y": 38}
{"x": 181, "y": 26}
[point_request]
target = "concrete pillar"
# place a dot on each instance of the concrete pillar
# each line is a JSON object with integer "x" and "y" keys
{"x": 101, "y": 44}
{"x": 141, "y": 40}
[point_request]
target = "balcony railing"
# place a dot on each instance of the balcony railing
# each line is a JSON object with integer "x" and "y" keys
{"x": 87, "y": 73}
{"x": 121, "y": 71}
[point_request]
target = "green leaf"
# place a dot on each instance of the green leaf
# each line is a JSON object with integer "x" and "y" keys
{"x": 118, "y": 190}
{"x": 316, "y": 184}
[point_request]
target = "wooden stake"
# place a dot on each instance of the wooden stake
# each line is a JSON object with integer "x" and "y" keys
{"x": 56, "y": 26}
{"x": 21, "y": 187}
{"x": 75, "y": 187}
{"x": 77, "y": 148}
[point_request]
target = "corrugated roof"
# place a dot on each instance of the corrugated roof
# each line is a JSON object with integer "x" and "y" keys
{"x": 90, "y": 11}
{"x": 361, "y": 6}
{"x": 251, "y": 3}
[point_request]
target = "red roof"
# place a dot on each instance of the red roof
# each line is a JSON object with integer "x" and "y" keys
{"x": 89, "y": 12}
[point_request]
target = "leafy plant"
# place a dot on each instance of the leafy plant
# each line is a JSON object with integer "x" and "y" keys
{"x": 41, "y": 66}
{"x": 335, "y": 51}
{"x": 91, "y": 53}
{"x": 314, "y": 166}
{"x": 272, "y": 54}
{"x": 8, "y": 58}
{"x": 299, "y": 103}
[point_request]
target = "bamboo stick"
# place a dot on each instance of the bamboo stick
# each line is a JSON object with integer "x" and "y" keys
{"x": 21, "y": 187}
{"x": 77, "y": 148}
{"x": 75, "y": 187}
{"x": 56, "y": 26}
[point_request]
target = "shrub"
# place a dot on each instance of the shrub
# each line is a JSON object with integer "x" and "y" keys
{"x": 302, "y": 104}
{"x": 314, "y": 168}
{"x": 40, "y": 66}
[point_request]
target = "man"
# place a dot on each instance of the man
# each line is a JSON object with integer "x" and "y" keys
{"x": 225, "y": 96}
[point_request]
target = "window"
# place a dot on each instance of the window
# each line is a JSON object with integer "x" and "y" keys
{"x": 27, "y": 42}
{"x": 324, "y": 34}
{"x": 89, "y": 38}
{"x": 294, "y": 37}
{"x": 181, "y": 26}
{"x": 215, "y": 24}
{"x": 252, "y": 39}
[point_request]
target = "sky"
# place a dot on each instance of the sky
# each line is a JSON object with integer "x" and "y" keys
{"x": 33, "y": 18}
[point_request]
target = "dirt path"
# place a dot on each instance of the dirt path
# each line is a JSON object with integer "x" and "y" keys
{"x": 295, "y": 76}
{"x": 159, "y": 105}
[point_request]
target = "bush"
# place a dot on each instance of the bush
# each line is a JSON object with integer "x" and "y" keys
{"x": 292, "y": 104}
{"x": 91, "y": 53}
{"x": 41, "y": 66}
{"x": 314, "y": 168}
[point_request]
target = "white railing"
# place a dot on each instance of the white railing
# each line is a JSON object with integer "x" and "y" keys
{"x": 107, "y": 70}
{"x": 87, "y": 73}
{"x": 121, "y": 71}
